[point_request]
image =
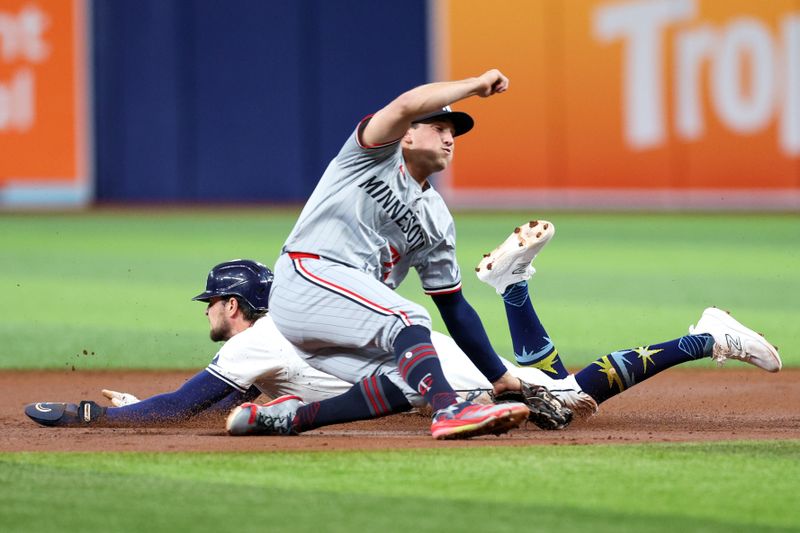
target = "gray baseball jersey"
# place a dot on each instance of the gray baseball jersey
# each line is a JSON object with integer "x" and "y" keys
{"x": 367, "y": 212}
{"x": 366, "y": 224}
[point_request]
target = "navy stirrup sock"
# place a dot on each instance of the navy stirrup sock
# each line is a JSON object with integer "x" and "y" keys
{"x": 371, "y": 398}
{"x": 377, "y": 396}
{"x": 532, "y": 345}
{"x": 420, "y": 367}
{"x": 621, "y": 370}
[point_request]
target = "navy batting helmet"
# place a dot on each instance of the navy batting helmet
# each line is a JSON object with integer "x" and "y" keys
{"x": 241, "y": 277}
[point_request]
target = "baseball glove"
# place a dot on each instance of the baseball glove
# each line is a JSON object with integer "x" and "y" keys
{"x": 546, "y": 411}
{"x": 64, "y": 414}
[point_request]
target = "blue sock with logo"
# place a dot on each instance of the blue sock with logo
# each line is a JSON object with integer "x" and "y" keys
{"x": 372, "y": 397}
{"x": 532, "y": 344}
{"x": 420, "y": 367}
{"x": 621, "y": 370}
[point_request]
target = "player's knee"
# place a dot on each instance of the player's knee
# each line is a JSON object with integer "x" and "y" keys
{"x": 411, "y": 336}
{"x": 416, "y": 315}
{"x": 416, "y": 323}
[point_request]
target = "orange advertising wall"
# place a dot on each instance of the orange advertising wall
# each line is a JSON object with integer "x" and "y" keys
{"x": 678, "y": 98}
{"x": 43, "y": 116}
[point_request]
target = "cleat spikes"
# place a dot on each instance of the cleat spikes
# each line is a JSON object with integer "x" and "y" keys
{"x": 509, "y": 263}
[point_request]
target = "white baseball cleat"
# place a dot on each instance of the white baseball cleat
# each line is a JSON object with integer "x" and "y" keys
{"x": 510, "y": 262}
{"x": 732, "y": 340}
{"x": 273, "y": 418}
{"x": 571, "y": 395}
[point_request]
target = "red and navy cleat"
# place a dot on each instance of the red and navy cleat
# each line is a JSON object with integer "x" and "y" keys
{"x": 466, "y": 419}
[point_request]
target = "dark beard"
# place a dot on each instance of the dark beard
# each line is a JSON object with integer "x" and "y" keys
{"x": 222, "y": 333}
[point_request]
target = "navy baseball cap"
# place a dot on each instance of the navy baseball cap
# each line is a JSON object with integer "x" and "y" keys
{"x": 462, "y": 122}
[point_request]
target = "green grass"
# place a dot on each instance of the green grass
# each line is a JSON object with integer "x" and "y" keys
{"x": 735, "y": 486}
{"x": 116, "y": 285}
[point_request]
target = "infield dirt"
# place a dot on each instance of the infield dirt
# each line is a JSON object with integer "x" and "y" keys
{"x": 680, "y": 405}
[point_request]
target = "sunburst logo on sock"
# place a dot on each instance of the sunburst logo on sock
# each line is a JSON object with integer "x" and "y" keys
{"x": 645, "y": 354}
{"x": 611, "y": 373}
{"x": 546, "y": 363}
{"x": 533, "y": 356}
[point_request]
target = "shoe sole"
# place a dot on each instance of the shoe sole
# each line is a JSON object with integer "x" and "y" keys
{"x": 535, "y": 233}
{"x": 724, "y": 317}
{"x": 233, "y": 428}
{"x": 229, "y": 422}
{"x": 495, "y": 425}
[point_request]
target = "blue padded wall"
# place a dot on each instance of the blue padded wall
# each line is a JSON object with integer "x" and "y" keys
{"x": 242, "y": 101}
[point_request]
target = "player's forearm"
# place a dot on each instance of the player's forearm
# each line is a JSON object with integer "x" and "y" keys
{"x": 197, "y": 394}
{"x": 391, "y": 122}
{"x": 434, "y": 96}
{"x": 466, "y": 328}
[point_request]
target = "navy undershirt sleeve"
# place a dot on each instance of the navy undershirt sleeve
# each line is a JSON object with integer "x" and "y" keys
{"x": 233, "y": 399}
{"x": 466, "y": 328}
{"x": 198, "y": 394}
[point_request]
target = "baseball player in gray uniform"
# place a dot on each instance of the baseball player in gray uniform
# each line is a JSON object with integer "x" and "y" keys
{"x": 372, "y": 217}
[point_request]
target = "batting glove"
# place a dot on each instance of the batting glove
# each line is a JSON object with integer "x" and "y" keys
{"x": 120, "y": 399}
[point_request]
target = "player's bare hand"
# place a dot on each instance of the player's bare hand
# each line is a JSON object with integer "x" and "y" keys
{"x": 120, "y": 399}
{"x": 492, "y": 82}
{"x": 506, "y": 383}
